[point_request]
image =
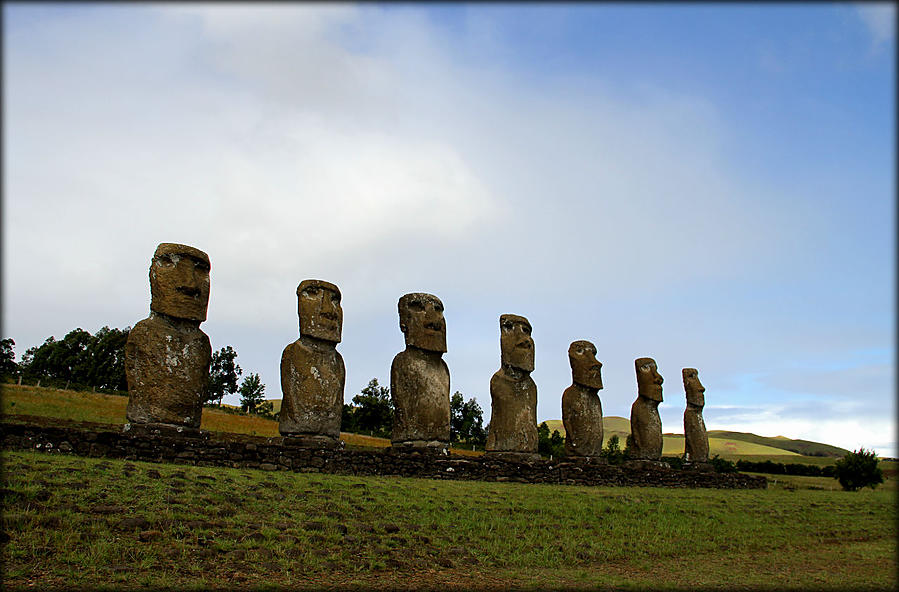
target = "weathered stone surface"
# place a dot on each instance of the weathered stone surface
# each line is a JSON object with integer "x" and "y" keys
{"x": 513, "y": 393}
{"x": 167, "y": 356}
{"x": 419, "y": 378}
{"x": 179, "y": 282}
{"x": 312, "y": 370}
{"x": 696, "y": 439}
{"x": 581, "y": 407}
{"x": 646, "y": 425}
{"x": 252, "y": 452}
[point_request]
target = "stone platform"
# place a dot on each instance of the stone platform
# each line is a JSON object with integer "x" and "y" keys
{"x": 273, "y": 454}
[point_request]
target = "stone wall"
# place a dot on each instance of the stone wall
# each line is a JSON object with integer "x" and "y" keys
{"x": 273, "y": 454}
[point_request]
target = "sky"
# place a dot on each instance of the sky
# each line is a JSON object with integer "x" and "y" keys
{"x": 709, "y": 185}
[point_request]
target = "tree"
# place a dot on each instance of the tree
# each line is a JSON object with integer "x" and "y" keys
{"x": 374, "y": 410}
{"x": 858, "y": 469}
{"x": 68, "y": 361}
{"x": 348, "y": 419}
{"x": 550, "y": 445}
{"x": 612, "y": 452}
{"x": 8, "y": 366}
{"x": 466, "y": 421}
{"x": 251, "y": 393}
{"x": 107, "y": 359}
{"x": 224, "y": 373}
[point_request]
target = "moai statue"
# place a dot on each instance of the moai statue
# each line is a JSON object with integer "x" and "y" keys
{"x": 167, "y": 356}
{"x": 696, "y": 439}
{"x": 581, "y": 407}
{"x": 646, "y": 425}
{"x": 419, "y": 378}
{"x": 312, "y": 370}
{"x": 513, "y": 393}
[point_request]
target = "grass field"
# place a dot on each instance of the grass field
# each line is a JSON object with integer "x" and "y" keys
{"x": 81, "y": 522}
{"x": 86, "y": 406}
{"x": 72, "y": 522}
{"x": 99, "y": 408}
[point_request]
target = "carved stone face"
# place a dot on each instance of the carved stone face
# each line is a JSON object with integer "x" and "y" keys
{"x": 649, "y": 381}
{"x": 318, "y": 304}
{"x": 694, "y": 389}
{"x": 516, "y": 343}
{"x": 585, "y": 368}
{"x": 422, "y": 322}
{"x": 179, "y": 282}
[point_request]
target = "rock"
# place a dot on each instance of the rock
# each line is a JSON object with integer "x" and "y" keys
{"x": 149, "y": 535}
{"x": 696, "y": 438}
{"x": 167, "y": 356}
{"x": 581, "y": 407}
{"x": 646, "y": 425}
{"x": 312, "y": 370}
{"x": 419, "y": 378}
{"x": 513, "y": 393}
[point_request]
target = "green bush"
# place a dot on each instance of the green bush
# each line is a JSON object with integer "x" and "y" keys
{"x": 858, "y": 469}
{"x": 675, "y": 462}
{"x": 722, "y": 465}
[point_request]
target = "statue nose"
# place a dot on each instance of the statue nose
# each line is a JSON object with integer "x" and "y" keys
{"x": 328, "y": 309}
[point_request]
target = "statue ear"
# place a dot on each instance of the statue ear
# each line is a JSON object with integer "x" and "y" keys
{"x": 403, "y": 328}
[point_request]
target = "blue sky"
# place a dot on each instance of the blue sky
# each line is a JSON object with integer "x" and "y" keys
{"x": 711, "y": 185}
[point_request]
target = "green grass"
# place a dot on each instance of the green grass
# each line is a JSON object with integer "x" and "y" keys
{"x": 226, "y": 528}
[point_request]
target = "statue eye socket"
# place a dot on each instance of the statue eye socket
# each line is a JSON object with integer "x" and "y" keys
{"x": 438, "y": 308}
{"x": 165, "y": 260}
{"x": 415, "y": 305}
{"x": 310, "y": 292}
{"x": 525, "y": 329}
{"x": 201, "y": 265}
{"x": 335, "y": 299}
{"x": 507, "y": 326}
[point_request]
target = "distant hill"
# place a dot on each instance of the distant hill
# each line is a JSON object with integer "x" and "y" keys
{"x": 720, "y": 441}
{"x": 804, "y": 447}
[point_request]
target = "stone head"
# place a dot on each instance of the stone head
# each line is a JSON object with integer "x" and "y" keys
{"x": 649, "y": 381}
{"x": 694, "y": 389}
{"x": 422, "y": 322}
{"x": 318, "y": 305}
{"x": 179, "y": 282}
{"x": 516, "y": 343}
{"x": 585, "y": 368}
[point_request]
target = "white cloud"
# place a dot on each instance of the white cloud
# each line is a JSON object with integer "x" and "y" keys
{"x": 843, "y": 428}
{"x": 880, "y": 19}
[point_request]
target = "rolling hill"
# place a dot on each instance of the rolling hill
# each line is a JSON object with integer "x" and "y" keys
{"x": 720, "y": 441}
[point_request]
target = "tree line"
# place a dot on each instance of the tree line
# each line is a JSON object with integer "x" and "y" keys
{"x": 81, "y": 361}
{"x": 371, "y": 412}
